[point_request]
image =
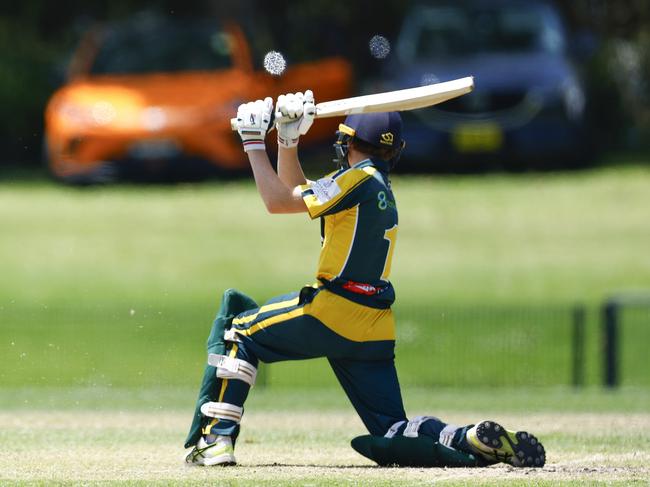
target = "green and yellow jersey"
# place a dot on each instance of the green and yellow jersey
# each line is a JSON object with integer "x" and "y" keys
{"x": 358, "y": 229}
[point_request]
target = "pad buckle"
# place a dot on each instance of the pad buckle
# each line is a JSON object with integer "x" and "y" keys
{"x": 233, "y": 368}
{"x": 413, "y": 426}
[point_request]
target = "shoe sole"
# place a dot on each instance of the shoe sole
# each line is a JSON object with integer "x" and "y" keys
{"x": 197, "y": 459}
{"x": 519, "y": 449}
{"x": 214, "y": 462}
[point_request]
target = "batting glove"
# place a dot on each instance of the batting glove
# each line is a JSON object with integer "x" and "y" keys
{"x": 253, "y": 121}
{"x": 294, "y": 114}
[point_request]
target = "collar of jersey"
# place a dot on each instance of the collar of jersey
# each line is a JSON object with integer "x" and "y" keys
{"x": 378, "y": 163}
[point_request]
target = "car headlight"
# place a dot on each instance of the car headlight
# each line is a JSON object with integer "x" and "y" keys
{"x": 103, "y": 113}
{"x": 74, "y": 114}
{"x": 100, "y": 113}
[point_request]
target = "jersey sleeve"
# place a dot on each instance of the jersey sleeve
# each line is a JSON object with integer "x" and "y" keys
{"x": 335, "y": 192}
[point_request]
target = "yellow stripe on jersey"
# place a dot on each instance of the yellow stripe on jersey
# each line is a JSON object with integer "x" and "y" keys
{"x": 351, "y": 320}
{"x": 337, "y": 246}
{"x": 267, "y": 307}
{"x": 344, "y": 317}
{"x": 346, "y": 182}
{"x": 391, "y": 236}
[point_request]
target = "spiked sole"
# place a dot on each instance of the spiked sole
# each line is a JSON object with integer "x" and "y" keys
{"x": 494, "y": 442}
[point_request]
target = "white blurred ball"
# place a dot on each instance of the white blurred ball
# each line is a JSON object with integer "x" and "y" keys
{"x": 429, "y": 79}
{"x": 274, "y": 63}
{"x": 379, "y": 47}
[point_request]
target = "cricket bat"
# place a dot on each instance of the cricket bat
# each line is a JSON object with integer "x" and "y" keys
{"x": 392, "y": 101}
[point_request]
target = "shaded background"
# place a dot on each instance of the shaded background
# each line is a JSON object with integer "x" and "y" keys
{"x": 36, "y": 38}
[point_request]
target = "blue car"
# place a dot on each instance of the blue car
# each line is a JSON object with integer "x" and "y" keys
{"x": 528, "y": 107}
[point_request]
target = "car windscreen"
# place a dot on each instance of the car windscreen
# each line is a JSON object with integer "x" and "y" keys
{"x": 461, "y": 30}
{"x": 163, "y": 48}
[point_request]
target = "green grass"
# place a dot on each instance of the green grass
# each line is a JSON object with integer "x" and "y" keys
{"x": 105, "y": 345}
{"x": 484, "y": 239}
{"x": 417, "y": 400}
{"x": 107, "y": 295}
{"x": 117, "y": 286}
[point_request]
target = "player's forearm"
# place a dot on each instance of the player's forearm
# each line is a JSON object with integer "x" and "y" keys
{"x": 277, "y": 196}
{"x": 289, "y": 169}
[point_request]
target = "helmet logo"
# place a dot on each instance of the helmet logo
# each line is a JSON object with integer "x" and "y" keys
{"x": 387, "y": 138}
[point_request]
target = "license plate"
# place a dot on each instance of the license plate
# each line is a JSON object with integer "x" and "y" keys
{"x": 477, "y": 137}
{"x": 154, "y": 149}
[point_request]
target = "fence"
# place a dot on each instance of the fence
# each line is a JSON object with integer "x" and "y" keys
{"x": 491, "y": 346}
{"x": 625, "y": 340}
{"x": 473, "y": 346}
{"x": 511, "y": 346}
{"x": 461, "y": 346}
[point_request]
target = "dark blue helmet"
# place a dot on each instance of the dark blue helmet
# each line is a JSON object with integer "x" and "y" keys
{"x": 378, "y": 129}
{"x": 381, "y": 130}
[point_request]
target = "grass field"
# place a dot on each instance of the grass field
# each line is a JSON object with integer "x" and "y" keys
{"x": 107, "y": 295}
{"x": 295, "y": 438}
{"x": 140, "y": 270}
{"x": 499, "y": 239}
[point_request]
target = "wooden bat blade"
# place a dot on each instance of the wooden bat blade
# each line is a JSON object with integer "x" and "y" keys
{"x": 392, "y": 101}
{"x": 397, "y": 101}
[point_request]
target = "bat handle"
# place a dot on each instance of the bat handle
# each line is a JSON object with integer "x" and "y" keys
{"x": 233, "y": 123}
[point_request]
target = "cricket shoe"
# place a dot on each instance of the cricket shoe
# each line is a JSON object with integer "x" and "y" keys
{"x": 219, "y": 452}
{"x": 495, "y": 443}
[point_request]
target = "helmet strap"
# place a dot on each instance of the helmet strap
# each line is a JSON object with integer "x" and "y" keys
{"x": 341, "y": 147}
{"x": 395, "y": 159}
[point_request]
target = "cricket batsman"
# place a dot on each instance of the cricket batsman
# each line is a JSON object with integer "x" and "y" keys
{"x": 346, "y": 315}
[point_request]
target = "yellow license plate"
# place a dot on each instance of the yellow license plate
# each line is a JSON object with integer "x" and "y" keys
{"x": 476, "y": 137}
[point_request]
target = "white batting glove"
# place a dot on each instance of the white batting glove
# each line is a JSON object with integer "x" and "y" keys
{"x": 294, "y": 114}
{"x": 253, "y": 121}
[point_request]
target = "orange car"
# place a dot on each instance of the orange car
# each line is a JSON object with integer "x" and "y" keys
{"x": 155, "y": 99}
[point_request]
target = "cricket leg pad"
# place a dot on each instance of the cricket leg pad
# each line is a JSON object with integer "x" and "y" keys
{"x": 222, "y": 410}
{"x": 233, "y": 368}
{"x": 233, "y": 302}
{"x": 403, "y": 451}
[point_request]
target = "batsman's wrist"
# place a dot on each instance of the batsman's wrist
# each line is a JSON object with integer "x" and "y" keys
{"x": 254, "y": 144}
{"x": 287, "y": 142}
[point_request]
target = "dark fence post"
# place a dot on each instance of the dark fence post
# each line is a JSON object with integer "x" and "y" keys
{"x": 610, "y": 343}
{"x": 578, "y": 348}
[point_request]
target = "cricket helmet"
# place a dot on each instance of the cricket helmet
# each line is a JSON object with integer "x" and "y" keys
{"x": 382, "y": 130}
{"x": 378, "y": 129}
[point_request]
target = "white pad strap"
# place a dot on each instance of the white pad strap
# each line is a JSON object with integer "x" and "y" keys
{"x": 447, "y": 435}
{"x": 222, "y": 410}
{"x": 230, "y": 335}
{"x": 392, "y": 431}
{"x": 413, "y": 426}
{"x": 233, "y": 368}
